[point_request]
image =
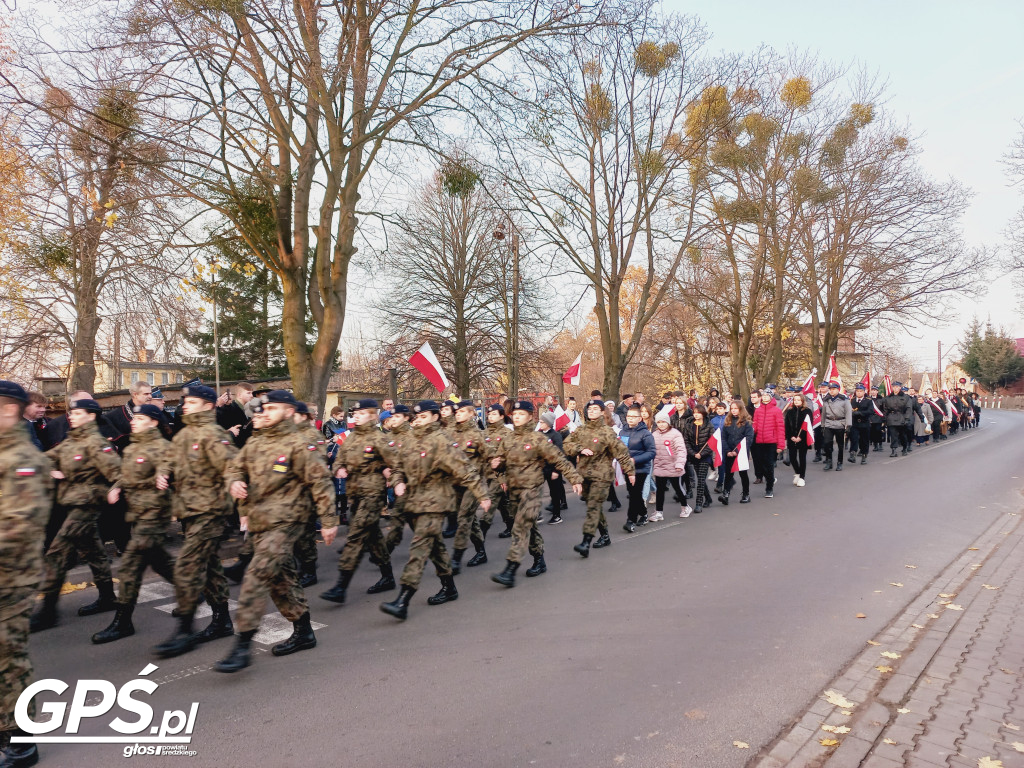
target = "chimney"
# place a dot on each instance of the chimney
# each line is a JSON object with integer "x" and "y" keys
{"x": 146, "y": 355}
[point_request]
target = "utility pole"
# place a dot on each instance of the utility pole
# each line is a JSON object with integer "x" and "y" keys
{"x": 940, "y": 366}
{"x": 116, "y": 383}
{"x": 514, "y": 371}
{"x": 216, "y": 340}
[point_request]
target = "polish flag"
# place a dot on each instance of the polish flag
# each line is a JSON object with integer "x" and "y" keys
{"x": 808, "y": 429}
{"x": 833, "y": 373}
{"x": 620, "y": 478}
{"x": 742, "y": 461}
{"x": 425, "y": 361}
{"x": 888, "y": 384}
{"x": 810, "y": 394}
{"x": 340, "y": 437}
{"x": 561, "y": 418}
{"x": 572, "y": 376}
{"x": 866, "y": 381}
{"x": 715, "y": 444}
{"x": 670, "y": 409}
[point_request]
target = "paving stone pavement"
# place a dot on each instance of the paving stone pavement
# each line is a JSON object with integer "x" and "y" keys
{"x": 954, "y": 697}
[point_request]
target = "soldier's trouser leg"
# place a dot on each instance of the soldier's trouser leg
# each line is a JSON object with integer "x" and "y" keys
{"x": 427, "y": 542}
{"x": 75, "y": 535}
{"x": 594, "y": 493}
{"x": 144, "y": 548}
{"x": 364, "y": 532}
{"x": 272, "y": 571}
{"x": 198, "y": 568}
{"x": 397, "y": 521}
{"x": 469, "y": 525}
{"x": 15, "y": 665}
{"x": 525, "y": 505}
{"x": 497, "y": 497}
{"x": 246, "y": 549}
{"x": 305, "y": 546}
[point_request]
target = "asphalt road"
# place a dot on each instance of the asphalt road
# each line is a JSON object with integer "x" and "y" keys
{"x": 661, "y": 650}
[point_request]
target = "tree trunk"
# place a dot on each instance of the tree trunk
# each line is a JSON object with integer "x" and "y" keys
{"x": 83, "y": 365}
{"x": 461, "y": 357}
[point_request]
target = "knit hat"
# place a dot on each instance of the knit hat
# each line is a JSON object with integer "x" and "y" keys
{"x": 548, "y": 418}
{"x": 662, "y": 416}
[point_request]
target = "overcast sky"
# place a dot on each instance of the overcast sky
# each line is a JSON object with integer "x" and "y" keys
{"x": 954, "y": 71}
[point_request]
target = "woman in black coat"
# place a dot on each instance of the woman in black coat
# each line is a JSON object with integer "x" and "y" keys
{"x": 697, "y": 433}
{"x": 796, "y": 436}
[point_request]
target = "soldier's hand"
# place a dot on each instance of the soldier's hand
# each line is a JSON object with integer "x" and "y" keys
{"x": 578, "y": 489}
{"x": 329, "y": 534}
{"x": 161, "y": 482}
{"x": 485, "y": 504}
{"x": 56, "y": 474}
{"x": 495, "y": 463}
{"x": 387, "y": 473}
{"x": 554, "y": 475}
{"x": 341, "y": 474}
{"x": 587, "y": 452}
{"x": 504, "y": 487}
{"x": 239, "y": 490}
{"x": 243, "y": 523}
{"x": 400, "y": 489}
{"x": 113, "y": 495}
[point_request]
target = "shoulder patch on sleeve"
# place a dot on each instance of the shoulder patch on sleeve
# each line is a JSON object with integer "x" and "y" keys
{"x": 311, "y": 447}
{"x": 108, "y": 449}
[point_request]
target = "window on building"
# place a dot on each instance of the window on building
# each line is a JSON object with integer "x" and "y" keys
{"x": 124, "y": 379}
{"x": 178, "y": 378}
{"x": 163, "y": 378}
{"x": 853, "y": 367}
{"x": 135, "y": 376}
{"x": 150, "y": 378}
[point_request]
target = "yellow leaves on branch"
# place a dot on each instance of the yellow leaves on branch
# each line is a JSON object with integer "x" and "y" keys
{"x": 796, "y": 93}
{"x": 652, "y": 59}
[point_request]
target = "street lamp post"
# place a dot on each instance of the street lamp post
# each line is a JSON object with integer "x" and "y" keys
{"x": 512, "y": 345}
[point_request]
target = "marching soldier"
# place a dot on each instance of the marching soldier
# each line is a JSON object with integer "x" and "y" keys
{"x": 278, "y": 476}
{"x": 469, "y": 441}
{"x": 451, "y": 520}
{"x": 149, "y": 512}
{"x": 400, "y": 429}
{"x": 362, "y": 460}
{"x": 25, "y": 498}
{"x": 199, "y": 454}
{"x": 305, "y": 547}
{"x": 426, "y": 468}
{"x": 523, "y": 454}
{"x": 496, "y": 432}
{"x": 85, "y": 465}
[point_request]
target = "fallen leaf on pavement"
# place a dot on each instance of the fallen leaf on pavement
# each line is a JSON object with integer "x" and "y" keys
{"x": 696, "y": 714}
{"x": 837, "y": 699}
{"x": 829, "y": 728}
{"x": 890, "y": 655}
{"x": 1007, "y": 671}
{"x": 889, "y": 741}
{"x": 872, "y": 642}
{"x": 947, "y": 594}
{"x": 903, "y": 710}
{"x": 945, "y": 602}
{"x": 883, "y": 668}
{"x": 68, "y": 588}
{"x": 741, "y": 745}
{"x": 988, "y": 762}
{"x": 844, "y": 712}
{"x": 861, "y": 616}
{"x": 1011, "y": 727}
{"x": 910, "y": 566}
{"x": 895, "y": 584}
{"x": 917, "y": 626}
{"x": 842, "y": 729}
{"x": 933, "y": 615}
{"x": 829, "y": 742}
{"x": 989, "y": 586}
{"x": 878, "y": 591}
{"x": 955, "y": 607}
{"x": 975, "y": 566}
{"x": 972, "y": 549}
{"x": 1018, "y": 746}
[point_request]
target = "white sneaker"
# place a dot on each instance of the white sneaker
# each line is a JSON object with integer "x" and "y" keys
{"x": 796, "y": 479}
{"x": 801, "y": 484}
{"x": 686, "y": 511}
{"x": 657, "y": 517}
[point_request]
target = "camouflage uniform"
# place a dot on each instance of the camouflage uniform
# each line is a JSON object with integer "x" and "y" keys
{"x": 495, "y": 433}
{"x": 524, "y": 452}
{"x": 89, "y": 464}
{"x": 26, "y": 492}
{"x": 149, "y": 511}
{"x": 305, "y": 547}
{"x": 597, "y": 470}
{"x": 468, "y": 440}
{"x": 398, "y": 518}
{"x": 199, "y": 454}
{"x": 365, "y": 454}
{"x": 427, "y": 464}
{"x": 285, "y": 475}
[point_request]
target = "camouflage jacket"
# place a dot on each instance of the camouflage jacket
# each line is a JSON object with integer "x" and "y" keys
{"x": 26, "y": 495}
{"x": 365, "y": 453}
{"x": 471, "y": 442}
{"x": 430, "y": 469}
{"x": 524, "y": 452}
{"x": 199, "y": 454}
{"x": 145, "y": 452}
{"x": 495, "y": 434}
{"x": 314, "y": 436}
{"x": 602, "y": 440}
{"x": 285, "y": 474}
{"x": 89, "y": 464}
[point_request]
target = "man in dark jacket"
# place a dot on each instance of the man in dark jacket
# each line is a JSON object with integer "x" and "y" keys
{"x": 234, "y": 417}
{"x": 640, "y": 442}
{"x": 860, "y": 434}
{"x": 896, "y": 408}
{"x": 877, "y": 419}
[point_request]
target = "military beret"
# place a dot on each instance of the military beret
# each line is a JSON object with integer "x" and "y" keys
{"x": 596, "y": 402}
{"x": 427, "y": 406}
{"x": 523, "y": 405}
{"x": 496, "y": 407}
{"x": 198, "y": 390}
{"x": 13, "y": 391}
{"x": 301, "y": 407}
{"x": 152, "y": 411}
{"x": 834, "y": 385}
{"x": 450, "y": 404}
{"x": 365, "y": 405}
{"x": 399, "y": 408}
{"x": 86, "y": 405}
{"x": 465, "y": 404}
{"x": 156, "y": 394}
{"x": 281, "y": 396}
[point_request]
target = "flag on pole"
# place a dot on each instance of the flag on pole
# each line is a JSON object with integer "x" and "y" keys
{"x": 620, "y": 478}
{"x": 742, "y": 462}
{"x": 833, "y": 373}
{"x": 572, "y": 376}
{"x": 888, "y": 384}
{"x": 808, "y": 430}
{"x": 425, "y": 361}
{"x": 866, "y": 381}
{"x": 810, "y": 394}
{"x": 715, "y": 444}
{"x": 926, "y": 383}
{"x": 561, "y": 418}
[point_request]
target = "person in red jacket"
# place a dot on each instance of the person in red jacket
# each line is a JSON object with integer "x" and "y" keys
{"x": 769, "y": 440}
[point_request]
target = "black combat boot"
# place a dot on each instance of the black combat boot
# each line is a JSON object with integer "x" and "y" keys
{"x": 301, "y": 639}
{"x": 506, "y": 578}
{"x": 604, "y": 539}
{"x": 457, "y": 561}
{"x": 182, "y": 641}
{"x": 506, "y": 533}
{"x": 724, "y": 499}
{"x": 236, "y": 572}
{"x": 307, "y": 575}
{"x": 336, "y": 594}
{"x": 19, "y": 755}
{"x": 385, "y": 583}
{"x": 839, "y": 466}
{"x": 399, "y": 607}
{"x": 538, "y": 567}
{"x": 480, "y": 557}
{"x": 447, "y": 593}
{"x": 239, "y": 658}
{"x": 107, "y": 601}
{"x": 119, "y": 628}
{"x": 584, "y": 546}
{"x": 45, "y": 616}
{"x": 219, "y": 626}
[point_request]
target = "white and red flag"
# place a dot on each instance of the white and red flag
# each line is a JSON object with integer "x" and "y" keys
{"x": 808, "y": 429}
{"x": 833, "y": 373}
{"x": 572, "y": 376}
{"x": 561, "y": 418}
{"x": 715, "y": 444}
{"x": 888, "y": 384}
{"x": 810, "y": 394}
{"x": 426, "y": 362}
{"x": 866, "y": 381}
{"x": 742, "y": 462}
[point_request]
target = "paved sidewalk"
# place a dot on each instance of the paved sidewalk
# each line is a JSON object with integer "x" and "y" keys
{"x": 954, "y": 693}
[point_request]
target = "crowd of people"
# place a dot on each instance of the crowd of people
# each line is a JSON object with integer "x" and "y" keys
{"x": 261, "y": 465}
